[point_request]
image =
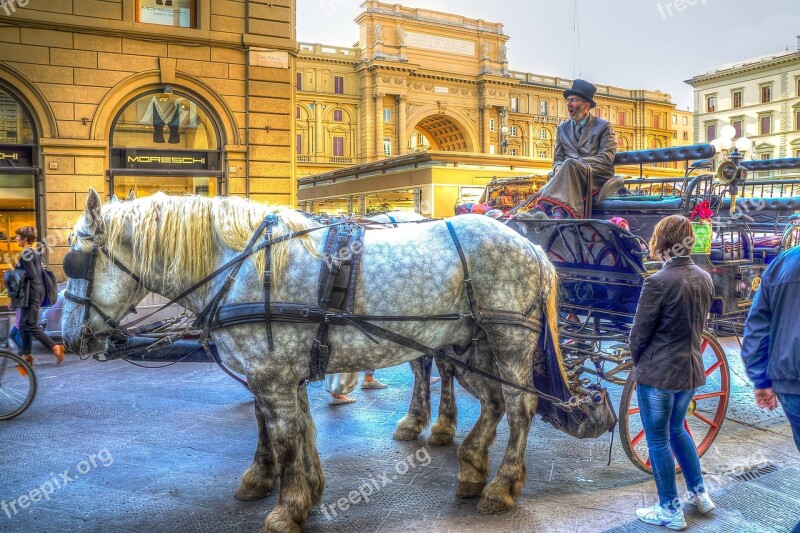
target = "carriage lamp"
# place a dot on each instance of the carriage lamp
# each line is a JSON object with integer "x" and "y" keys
{"x": 730, "y": 172}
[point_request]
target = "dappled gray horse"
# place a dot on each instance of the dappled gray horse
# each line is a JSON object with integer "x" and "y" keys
{"x": 170, "y": 243}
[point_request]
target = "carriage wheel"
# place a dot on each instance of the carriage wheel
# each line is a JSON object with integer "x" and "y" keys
{"x": 703, "y": 419}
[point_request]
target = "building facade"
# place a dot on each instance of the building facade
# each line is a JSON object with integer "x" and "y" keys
{"x": 180, "y": 96}
{"x": 420, "y": 79}
{"x": 682, "y": 128}
{"x": 760, "y": 98}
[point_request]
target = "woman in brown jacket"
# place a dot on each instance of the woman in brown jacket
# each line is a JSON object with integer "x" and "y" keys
{"x": 665, "y": 344}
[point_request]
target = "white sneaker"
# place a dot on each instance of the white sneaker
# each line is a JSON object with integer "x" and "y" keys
{"x": 658, "y": 516}
{"x": 702, "y": 500}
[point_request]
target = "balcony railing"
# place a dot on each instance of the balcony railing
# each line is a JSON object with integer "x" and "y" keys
{"x": 336, "y": 159}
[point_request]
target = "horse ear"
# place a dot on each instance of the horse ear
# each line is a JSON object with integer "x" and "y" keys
{"x": 92, "y": 210}
{"x": 131, "y": 195}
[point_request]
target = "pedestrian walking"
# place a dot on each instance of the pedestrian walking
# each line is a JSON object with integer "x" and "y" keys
{"x": 771, "y": 345}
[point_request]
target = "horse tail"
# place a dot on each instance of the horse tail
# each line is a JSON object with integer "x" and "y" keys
{"x": 551, "y": 317}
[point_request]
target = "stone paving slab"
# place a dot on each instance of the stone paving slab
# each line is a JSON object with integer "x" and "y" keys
{"x": 181, "y": 436}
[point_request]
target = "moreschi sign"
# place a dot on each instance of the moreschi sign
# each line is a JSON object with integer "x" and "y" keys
{"x": 137, "y": 159}
{"x": 16, "y": 156}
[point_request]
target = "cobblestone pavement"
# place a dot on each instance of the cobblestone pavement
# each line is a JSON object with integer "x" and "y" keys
{"x": 162, "y": 450}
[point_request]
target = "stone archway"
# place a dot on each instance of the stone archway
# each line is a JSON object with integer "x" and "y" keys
{"x": 447, "y": 132}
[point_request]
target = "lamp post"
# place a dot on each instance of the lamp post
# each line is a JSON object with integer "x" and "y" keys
{"x": 503, "y": 131}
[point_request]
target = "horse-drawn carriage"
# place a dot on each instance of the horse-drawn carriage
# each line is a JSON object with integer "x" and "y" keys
{"x": 468, "y": 291}
{"x": 602, "y": 268}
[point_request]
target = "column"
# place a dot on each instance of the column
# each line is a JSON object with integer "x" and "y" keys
{"x": 486, "y": 110}
{"x": 379, "y": 125}
{"x": 532, "y": 140}
{"x": 319, "y": 138}
{"x": 402, "y": 134}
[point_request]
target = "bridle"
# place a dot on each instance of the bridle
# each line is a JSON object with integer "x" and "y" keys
{"x": 79, "y": 264}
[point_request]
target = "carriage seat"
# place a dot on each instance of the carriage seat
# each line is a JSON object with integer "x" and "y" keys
{"x": 655, "y": 204}
{"x": 612, "y": 187}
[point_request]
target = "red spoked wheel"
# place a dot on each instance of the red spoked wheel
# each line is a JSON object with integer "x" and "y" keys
{"x": 703, "y": 419}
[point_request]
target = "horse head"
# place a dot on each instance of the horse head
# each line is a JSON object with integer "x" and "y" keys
{"x": 101, "y": 290}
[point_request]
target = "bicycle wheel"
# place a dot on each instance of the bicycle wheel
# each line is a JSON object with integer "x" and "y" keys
{"x": 17, "y": 385}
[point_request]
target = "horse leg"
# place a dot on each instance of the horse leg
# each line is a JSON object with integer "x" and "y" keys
{"x": 419, "y": 410}
{"x": 444, "y": 430}
{"x": 473, "y": 454}
{"x": 278, "y": 399}
{"x": 513, "y": 349}
{"x": 257, "y": 481}
{"x": 316, "y": 478}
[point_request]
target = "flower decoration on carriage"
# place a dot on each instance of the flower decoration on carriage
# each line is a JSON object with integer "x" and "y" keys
{"x": 702, "y": 227}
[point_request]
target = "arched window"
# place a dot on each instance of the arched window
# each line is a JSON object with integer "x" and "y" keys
{"x": 19, "y": 157}
{"x": 168, "y": 142}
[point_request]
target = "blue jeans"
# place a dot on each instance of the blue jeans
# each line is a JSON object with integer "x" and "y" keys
{"x": 663, "y": 412}
{"x": 791, "y": 406}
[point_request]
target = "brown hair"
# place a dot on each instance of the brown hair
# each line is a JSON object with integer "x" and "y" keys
{"x": 28, "y": 233}
{"x": 673, "y": 236}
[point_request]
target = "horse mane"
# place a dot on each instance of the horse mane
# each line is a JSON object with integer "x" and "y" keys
{"x": 182, "y": 233}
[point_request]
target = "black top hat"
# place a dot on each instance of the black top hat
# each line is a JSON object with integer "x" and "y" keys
{"x": 584, "y": 89}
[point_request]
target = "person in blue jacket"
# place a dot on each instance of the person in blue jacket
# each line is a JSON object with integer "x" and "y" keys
{"x": 771, "y": 345}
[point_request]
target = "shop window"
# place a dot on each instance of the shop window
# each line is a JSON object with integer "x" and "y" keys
{"x": 338, "y": 147}
{"x": 337, "y": 115}
{"x": 166, "y": 142}
{"x": 18, "y": 191}
{"x": 179, "y": 13}
{"x": 338, "y": 84}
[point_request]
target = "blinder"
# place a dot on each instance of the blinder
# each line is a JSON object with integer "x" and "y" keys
{"x": 79, "y": 264}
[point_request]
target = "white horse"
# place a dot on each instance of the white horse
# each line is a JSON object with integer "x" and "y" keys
{"x": 167, "y": 244}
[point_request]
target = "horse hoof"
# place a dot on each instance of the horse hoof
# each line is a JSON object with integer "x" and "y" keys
{"x": 440, "y": 439}
{"x": 467, "y": 489}
{"x": 249, "y": 493}
{"x": 405, "y": 434}
{"x": 279, "y": 521}
{"x": 495, "y": 500}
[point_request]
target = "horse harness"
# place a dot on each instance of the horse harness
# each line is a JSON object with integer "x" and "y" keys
{"x": 335, "y": 303}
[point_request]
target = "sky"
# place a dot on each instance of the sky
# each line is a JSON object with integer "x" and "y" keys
{"x": 635, "y": 44}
